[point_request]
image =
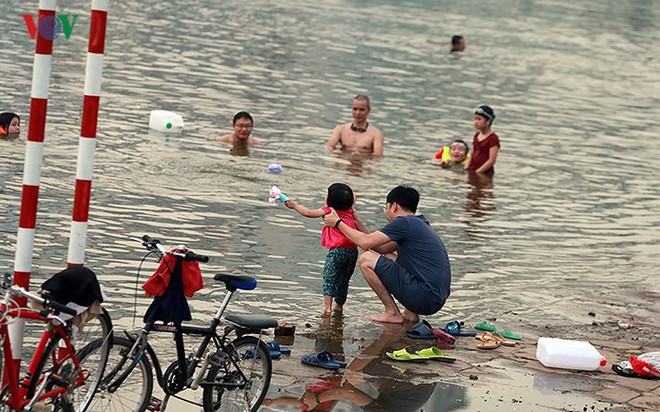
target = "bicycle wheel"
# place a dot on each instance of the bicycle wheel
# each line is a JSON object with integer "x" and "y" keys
{"x": 253, "y": 358}
{"x": 92, "y": 346}
{"x": 134, "y": 394}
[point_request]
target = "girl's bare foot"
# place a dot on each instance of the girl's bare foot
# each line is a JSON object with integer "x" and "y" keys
{"x": 386, "y": 318}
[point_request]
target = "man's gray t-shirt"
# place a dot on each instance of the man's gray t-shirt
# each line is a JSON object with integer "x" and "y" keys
{"x": 421, "y": 252}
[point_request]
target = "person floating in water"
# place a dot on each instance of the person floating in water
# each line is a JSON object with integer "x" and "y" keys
{"x": 486, "y": 144}
{"x": 458, "y": 43}
{"x": 455, "y": 154}
{"x": 358, "y": 136}
{"x": 10, "y": 124}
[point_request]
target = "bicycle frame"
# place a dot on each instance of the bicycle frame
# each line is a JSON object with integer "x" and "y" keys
{"x": 142, "y": 345}
{"x": 218, "y": 349}
{"x": 19, "y": 397}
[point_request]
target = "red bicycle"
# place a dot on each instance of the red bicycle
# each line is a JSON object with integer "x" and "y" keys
{"x": 68, "y": 363}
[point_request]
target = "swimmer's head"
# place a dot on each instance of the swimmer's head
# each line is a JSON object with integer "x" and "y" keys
{"x": 486, "y": 112}
{"x": 458, "y": 43}
{"x": 458, "y": 150}
{"x": 243, "y": 125}
{"x": 10, "y": 123}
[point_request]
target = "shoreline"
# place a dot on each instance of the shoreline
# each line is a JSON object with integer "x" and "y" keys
{"x": 509, "y": 378}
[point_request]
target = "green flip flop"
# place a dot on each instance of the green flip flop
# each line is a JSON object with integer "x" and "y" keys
{"x": 508, "y": 334}
{"x": 489, "y": 327}
{"x": 404, "y": 356}
{"x": 435, "y": 354}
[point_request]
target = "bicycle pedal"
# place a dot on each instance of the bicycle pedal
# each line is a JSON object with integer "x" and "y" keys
{"x": 59, "y": 380}
{"x": 154, "y": 404}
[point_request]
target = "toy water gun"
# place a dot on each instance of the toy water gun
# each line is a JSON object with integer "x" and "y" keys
{"x": 276, "y": 194}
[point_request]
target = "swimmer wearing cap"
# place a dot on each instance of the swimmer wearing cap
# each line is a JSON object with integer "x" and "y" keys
{"x": 486, "y": 144}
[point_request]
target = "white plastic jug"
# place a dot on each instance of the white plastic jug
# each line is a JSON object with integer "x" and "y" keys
{"x": 568, "y": 354}
{"x": 166, "y": 122}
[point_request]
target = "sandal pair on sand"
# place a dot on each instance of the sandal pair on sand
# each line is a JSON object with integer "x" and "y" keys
{"x": 489, "y": 327}
{"x": 420, "y": 356}
{"x": 493, "y": 340}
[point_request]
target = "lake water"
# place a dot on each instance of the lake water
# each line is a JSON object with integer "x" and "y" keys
{"x": 572, "y": 210}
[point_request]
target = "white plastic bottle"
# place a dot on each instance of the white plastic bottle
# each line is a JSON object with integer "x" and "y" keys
{"x": 166, "y": 122}
{"x": 568, "y": 354}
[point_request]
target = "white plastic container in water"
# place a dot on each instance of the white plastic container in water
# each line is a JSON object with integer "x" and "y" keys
{"x": 166, "y": 122}
{"x": 568, "y": 354}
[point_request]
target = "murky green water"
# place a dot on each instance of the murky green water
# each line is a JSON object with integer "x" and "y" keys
{"x": 572, "y": 209}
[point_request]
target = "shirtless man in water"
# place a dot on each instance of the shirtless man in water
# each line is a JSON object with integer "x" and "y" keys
{"x": 242, "y": 125}
{"x": 358, "y": 136}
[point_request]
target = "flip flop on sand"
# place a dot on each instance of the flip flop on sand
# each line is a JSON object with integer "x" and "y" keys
{"x": 436, "y": 355}
{"x": 322, "y": 359}
{"x": 274, "y": 345}
{"x": 404, "y": 356}
{"x": 444, "y": 337}
{"x": 487, "y": 342}
{"x": 501, "y": 339}
{"x": 506, "y": 333}
{"x": 485, "y": 326}
{"x": 251, "y": 353}
{"x": 456, "y": 328}
{"x": 421, "y": 330}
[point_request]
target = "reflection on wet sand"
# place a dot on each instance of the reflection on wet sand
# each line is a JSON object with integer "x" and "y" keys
{"x": 479, "y": 203}
{"x": 371, "y": 382}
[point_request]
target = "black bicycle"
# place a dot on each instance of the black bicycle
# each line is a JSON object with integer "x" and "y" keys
{"x": 232, "y": 365}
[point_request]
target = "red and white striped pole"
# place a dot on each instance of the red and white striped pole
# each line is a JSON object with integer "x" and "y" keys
{"x": 87, "y": 143}
{"x": 27, "y": 222}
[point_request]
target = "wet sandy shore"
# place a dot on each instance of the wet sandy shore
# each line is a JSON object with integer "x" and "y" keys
{"x": 506, "y": 378}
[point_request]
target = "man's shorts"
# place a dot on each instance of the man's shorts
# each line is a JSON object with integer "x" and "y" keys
{"x": 411, "y": 291}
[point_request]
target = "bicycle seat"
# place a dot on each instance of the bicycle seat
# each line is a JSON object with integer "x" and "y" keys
{"x": 233, "y": 282}
{"x": 252, "y": 322}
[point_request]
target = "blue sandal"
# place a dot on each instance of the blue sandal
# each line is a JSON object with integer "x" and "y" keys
{"x": 274, "y": 346}
{"x": 421, "y": 330}
{"x": 456, "y": 328}
{"x": 323, "y": 359}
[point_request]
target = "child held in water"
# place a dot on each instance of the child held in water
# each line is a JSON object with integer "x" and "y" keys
{"x": 457, "y": 153}
{"x": 342, "y": 253}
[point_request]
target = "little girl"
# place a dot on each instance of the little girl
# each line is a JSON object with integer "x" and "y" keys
{"x": 486, "y": 144}
{"x": 342, "y": 254}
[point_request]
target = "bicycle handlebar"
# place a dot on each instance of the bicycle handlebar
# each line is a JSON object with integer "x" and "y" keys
{"x": 47, "y": 303}
{"x": 154, "y": 244}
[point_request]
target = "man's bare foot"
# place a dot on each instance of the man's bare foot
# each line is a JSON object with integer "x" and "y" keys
{"x": 410, "y": 316}
{"x": 338, "y": 308}
{"x": 385, "y": 318}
